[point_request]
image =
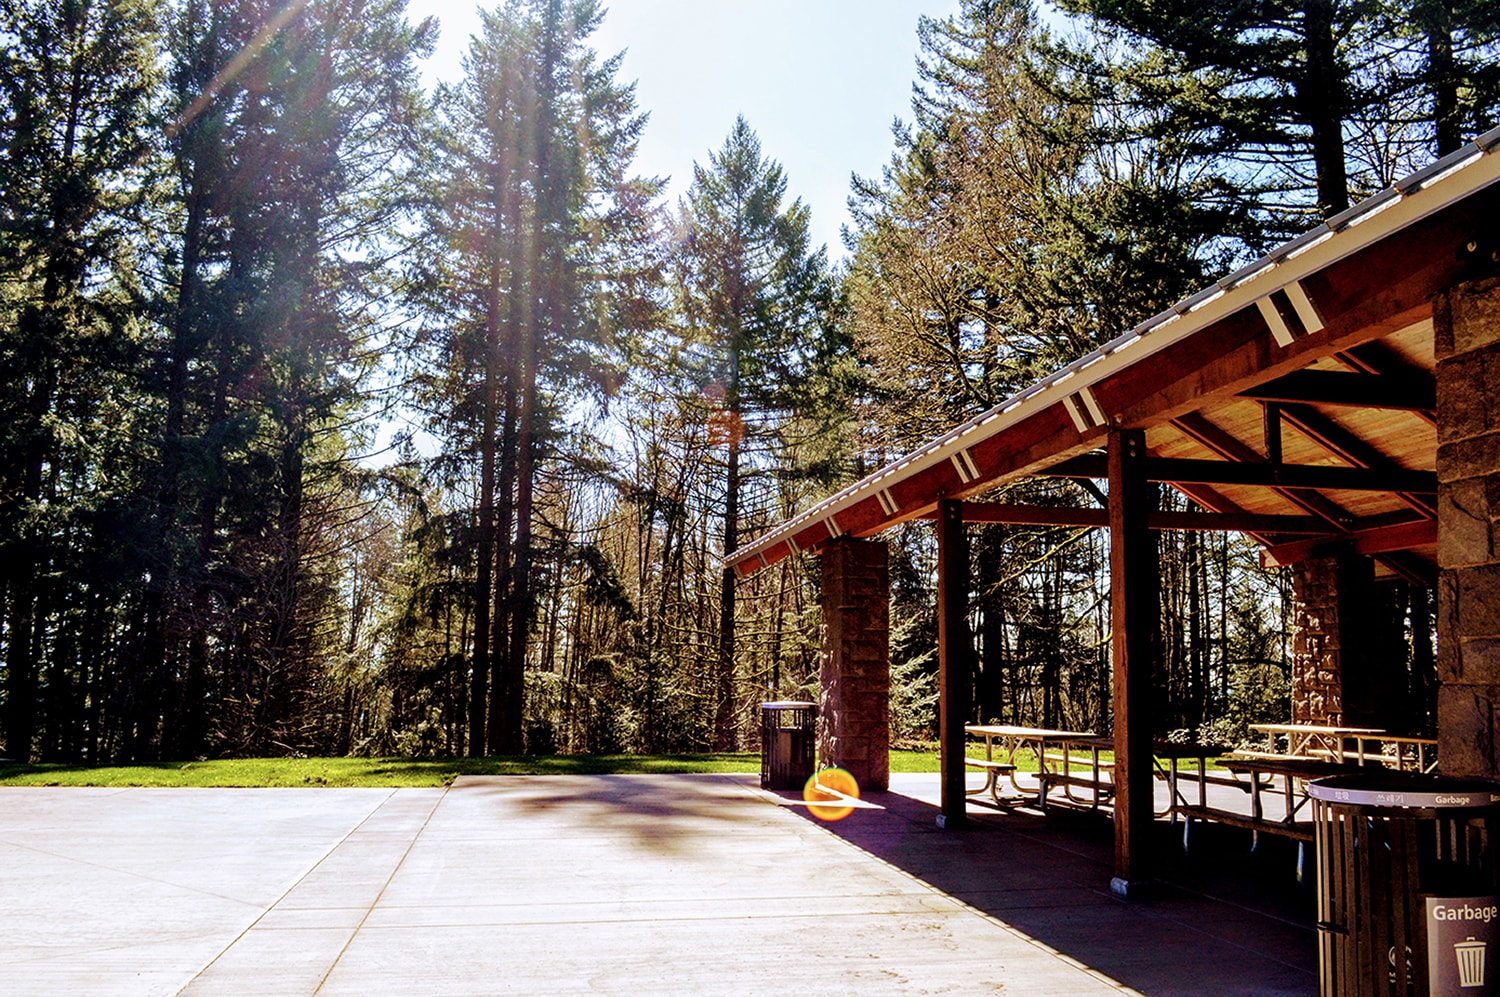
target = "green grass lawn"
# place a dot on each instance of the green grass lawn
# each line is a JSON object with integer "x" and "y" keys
{"x": 343, "y": 772}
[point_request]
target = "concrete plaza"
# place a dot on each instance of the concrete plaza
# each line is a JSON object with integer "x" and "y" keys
{"x": 617, "y": 885}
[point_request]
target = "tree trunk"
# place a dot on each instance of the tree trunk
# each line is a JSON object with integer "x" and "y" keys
{"x": 1324, "y": 104}
{"x": 1436, "y": 18}
{"x": 1192, "y": 544}
{"x": 509, "y": 732}
{"x": 500, "y": 621}
{"x": 990, "y": 698}
{"x": 724, "y": 725}
{"x": 509, "y": 239}
{"x": 484, "y": 531}
{"x": 1424, "y": 680}
{"x": 20, "y": 670}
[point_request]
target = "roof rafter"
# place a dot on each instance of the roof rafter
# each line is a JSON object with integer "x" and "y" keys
{"x": 1337, "y": 440}
{"x": 1379, "y": 540}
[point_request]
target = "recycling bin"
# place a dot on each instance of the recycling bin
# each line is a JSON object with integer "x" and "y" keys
{"x": 788, "y": 731}
{"x": 1408, "y": 896}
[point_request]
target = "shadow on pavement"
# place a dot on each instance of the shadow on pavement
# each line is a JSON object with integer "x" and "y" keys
{"x": 1221, "y": 921}
{"x": 651, "y": 811}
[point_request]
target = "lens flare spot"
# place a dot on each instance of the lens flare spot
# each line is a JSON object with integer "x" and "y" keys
{"x": 835, "y": 786}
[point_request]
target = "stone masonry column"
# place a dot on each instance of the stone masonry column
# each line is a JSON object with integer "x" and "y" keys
{"x": 1332, "y": 603}
{"x": 1466, "y": 333}
{"x": 854, "y": 731}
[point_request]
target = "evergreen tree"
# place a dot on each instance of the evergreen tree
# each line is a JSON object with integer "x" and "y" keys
{"x": 1000, "y": 244}
{"x": 1437, "y": 74}
{"x": 77, "y": 81}
{"x": 544, "y": 239}
{"x": 752, "y": 299}
{"x": 293, "y": 128}
{"x": 1269, "y": 96}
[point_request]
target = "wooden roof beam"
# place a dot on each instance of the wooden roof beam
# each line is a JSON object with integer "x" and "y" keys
{"x": 1225, "y": 445}
{"x": 1331, "y": 387}
{"x": 1231, "y": 472}
{"x": 1221, "y": 442}
{"x": 1317, "y": 476}
{"x": 1037, "y": 515}
{"x": 1215, "y": 501}
{"x": 1380, "y": 540}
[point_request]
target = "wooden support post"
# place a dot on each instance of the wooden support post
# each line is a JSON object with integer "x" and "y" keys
{"x": 1134, "y": 611}
{"x": 955, "y": 657}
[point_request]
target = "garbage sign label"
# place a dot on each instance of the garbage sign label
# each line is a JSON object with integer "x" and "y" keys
{"x": 1463, "y": 944}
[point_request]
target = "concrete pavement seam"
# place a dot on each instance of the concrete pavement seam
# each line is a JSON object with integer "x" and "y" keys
{"x": 285, "y": 893}
{"x": 384, "y": 886}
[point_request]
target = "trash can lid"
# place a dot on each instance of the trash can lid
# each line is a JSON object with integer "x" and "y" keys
{"x": 1405, "y": 789}
{"x": 787, "y": 704}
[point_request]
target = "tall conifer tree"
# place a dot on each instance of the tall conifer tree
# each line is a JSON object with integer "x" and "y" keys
{"x": 533, "y": 280}
{"x": 77, "y": 81}
{"x": 1270, "y": 96}
{"x": 750, "y": 295}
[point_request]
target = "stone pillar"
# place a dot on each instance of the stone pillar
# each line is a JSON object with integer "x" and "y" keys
{"x": 1466, "y": 333}
{"x": 854, "y": 728}
{"x": 1333, "y": 605}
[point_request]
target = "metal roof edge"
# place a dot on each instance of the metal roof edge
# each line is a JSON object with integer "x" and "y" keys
{"x": 1408, "y": 201}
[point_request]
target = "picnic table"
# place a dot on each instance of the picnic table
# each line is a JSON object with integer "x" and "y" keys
{"x": 1320, "y": 753}
{"x": 1293, "y": 774}
{"x": 1047, "y": 744}
{"x": 1314, "y": 740}
{"x": 1073, "y": 762}
{"x": 1344, "y": 744}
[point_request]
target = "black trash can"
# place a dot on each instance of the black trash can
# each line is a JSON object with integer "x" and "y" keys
{"x": 1408, "y": 897}
{"x": 788, "y": 732}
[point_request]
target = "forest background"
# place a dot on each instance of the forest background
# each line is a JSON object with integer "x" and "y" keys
{"x": 237, "y": 237}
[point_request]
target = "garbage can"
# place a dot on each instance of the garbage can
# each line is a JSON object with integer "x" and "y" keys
{"x": 787, "y": 742}
{"x": 1408, "y": 897}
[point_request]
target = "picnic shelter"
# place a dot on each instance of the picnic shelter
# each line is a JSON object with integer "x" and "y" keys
{"x": 1338, "y": 400}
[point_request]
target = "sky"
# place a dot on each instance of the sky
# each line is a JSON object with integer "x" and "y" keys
{"x": 820, "y": 81}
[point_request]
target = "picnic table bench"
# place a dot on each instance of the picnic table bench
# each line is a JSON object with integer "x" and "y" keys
{"x": 1257, "y": 772}
{"x": 993, "y": 770}
{"x": 1168, "y": 757}
{"x": 1092, "y": 774}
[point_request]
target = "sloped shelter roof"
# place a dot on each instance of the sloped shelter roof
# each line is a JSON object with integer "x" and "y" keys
{"x": 1294, "y": 399}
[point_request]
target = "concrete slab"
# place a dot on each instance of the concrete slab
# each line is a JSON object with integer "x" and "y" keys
{"x": 132, "y": 891}
{"x": 603, "y": 884}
